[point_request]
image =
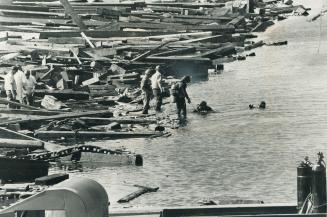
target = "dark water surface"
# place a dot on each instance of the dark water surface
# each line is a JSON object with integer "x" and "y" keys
{"x": 239, "y": 153}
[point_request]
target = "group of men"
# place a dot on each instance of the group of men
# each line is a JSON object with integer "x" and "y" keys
{"x": 151, "y": 85}
{"x": 19, "y": 86}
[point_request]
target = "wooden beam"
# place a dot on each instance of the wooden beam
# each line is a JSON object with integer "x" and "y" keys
{"x": 100, "y": 33}
{"x": 70, "y": 10}
{"x": 176, "y": 52}
{"x": 4, "y": 101}
{"x": 148, "y": 53}
{"x": 19, "y": 143}
{"x": 92, "y": 121}
{"x": 44, "y": 119}
{"x": 63, "y": 94}
{"x": 87, "y": 40}
{"x": 139, "y": 192}
{"x": 234, "y": 210}
{"x": 48, "y": 135}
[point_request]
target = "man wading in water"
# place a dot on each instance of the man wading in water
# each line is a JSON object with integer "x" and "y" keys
{"x": 179, "y": 92}
{"x": 146, "y": 91}
{"x": 156, "y": 81}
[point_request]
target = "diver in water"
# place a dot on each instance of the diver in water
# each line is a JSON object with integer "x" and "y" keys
{"x": 262, "y": 105}
{"x": 203, "y": 108}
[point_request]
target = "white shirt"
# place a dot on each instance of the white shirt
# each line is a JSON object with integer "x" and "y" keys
{"x": 156, "y": 80}
{"x": 10, "y": 83}
{"x": 19, "y": 76}
{"x": 29, "y": 84}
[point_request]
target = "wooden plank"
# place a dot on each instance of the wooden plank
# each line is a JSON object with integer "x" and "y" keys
{"x": 101, "y": 33}
{"x": 233, "y": 210}
{"x": 51, "y": 179}
{"x": 48, "y": 135}
{"x": 102, "y": 52}
{"x": 178, "y": 58}
{"x": 139, "y": 192}
{"x": 19, "y": 143}
{"x": 31, "y": 14}
{"x": 178, "y": 27}
{"x": 29, "y": 112}
{"x": 214, "y": 39}
{"x": 87, "y": 40}
{"x": 92, "y": 121}
{"x": 38, "y": 120}
{"x": 179, "y": 10}
{"x": 4, "y": 101}
{"x": 148, "y": 53}
{"x": 63, "y": 94}
{"x": 6, "y": 133}
{"x": 176, "y": 52}
{"x": 67, "y": 40}
{"x": 222, "y": 51}
{"x": 69, "y": 10}
{"x": 24, "y": 8}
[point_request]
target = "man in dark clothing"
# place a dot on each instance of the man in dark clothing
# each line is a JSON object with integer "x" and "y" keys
{"x": 146, "y": 91}
{"x": 180, "y": 96}
{"x": 203, "y": 108}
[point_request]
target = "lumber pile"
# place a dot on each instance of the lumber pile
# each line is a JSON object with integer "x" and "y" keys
{"x": 89, "y": 58}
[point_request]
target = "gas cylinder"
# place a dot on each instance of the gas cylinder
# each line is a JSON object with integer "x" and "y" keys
{"x": 318, "y": 187}
{"x": 304, "y": 175}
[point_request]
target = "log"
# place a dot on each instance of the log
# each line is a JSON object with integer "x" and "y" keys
{"x": 103, "y": 121}
{"x": 70, "y": 10}
{"x": 18, "y": 143}
{"x": 48, "y": 135}
{"x": 51, "y": 179}
{"x": 139, "y": 192}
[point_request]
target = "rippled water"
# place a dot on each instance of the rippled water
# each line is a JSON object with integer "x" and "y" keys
{"x": 239, "y": 153}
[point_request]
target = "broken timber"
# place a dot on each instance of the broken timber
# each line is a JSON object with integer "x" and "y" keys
{"x": 139, "y": 192}
{"x": 70, "y": 10}
{"x": 48, "y": 135}
{"x": 44, "y": 119}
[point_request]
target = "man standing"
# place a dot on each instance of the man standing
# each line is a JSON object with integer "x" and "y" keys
{"x": 29, "y": 83}
{"x": 146, "y": 91}
{"x": 10, "y": 85}
{"x": 156, "y": 81}
{"x": 19, "y": 77}
{"x": 180, "y": 95}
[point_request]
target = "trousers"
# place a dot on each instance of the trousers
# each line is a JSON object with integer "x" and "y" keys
{"x": 158, "y": 99}
{"x": 181, "y": 107}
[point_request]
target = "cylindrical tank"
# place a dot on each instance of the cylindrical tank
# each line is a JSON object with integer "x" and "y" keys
{"x": 304, "y": 176}
{"x": 319, "y": 188}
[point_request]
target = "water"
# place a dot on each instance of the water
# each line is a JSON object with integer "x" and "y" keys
{"x": 239, "y": 153}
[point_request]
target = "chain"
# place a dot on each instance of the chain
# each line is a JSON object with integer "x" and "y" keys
{"x": 71, "y": 150}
